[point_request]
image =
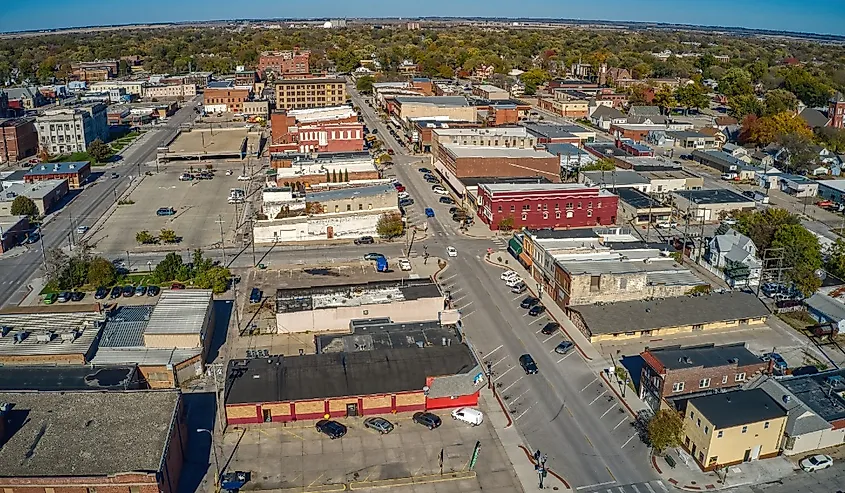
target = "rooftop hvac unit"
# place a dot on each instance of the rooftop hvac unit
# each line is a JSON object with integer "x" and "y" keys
{"x": 44, "y": 337}
{"x": 20, "y": 336}
{"x": 69, "y": 336}
{"x": 4, "y": 329}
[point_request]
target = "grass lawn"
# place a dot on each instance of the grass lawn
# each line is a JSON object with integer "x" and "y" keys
{"x": 798, "y": 320}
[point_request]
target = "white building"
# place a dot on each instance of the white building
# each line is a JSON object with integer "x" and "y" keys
{"x": 69, "y": 130}
{"x": 733, "y": 257}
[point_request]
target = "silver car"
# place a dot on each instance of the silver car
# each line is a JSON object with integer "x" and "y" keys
{"x": 381, "y": 425}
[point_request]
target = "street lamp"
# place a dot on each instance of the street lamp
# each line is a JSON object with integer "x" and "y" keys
{"x": 214, "y": 451}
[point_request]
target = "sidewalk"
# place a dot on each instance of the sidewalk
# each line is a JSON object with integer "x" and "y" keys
{"x": 686, "y": 474}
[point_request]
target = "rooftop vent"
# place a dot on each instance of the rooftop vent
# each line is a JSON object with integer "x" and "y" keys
{"x": 44, "y": 337}
{"x": 20, "y": 336}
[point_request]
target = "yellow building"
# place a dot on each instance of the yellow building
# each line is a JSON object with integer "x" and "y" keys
{"x": 734, "y": 427}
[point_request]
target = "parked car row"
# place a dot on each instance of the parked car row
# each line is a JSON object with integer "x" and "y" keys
{"x": 103, "y": 293}
{"x": 334, "y": 429}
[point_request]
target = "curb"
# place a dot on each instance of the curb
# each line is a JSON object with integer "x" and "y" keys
{"x": 504, "y": 409}
{"x": 329, "y": 488}
{"x": 686, "y": 487}
{"x": 413, "y": 480}
{"x": 556, "y": 475}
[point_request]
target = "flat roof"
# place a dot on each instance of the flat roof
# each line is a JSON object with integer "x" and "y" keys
{"x": 104, "y": 433}
{"x": 564, "y": 149}
{"x": 688, "y": 134}
{"x": 69, "y": 377}
{"x": 433, "y": 100}
{"x": 320, "y": 376}
{"x": 35, "y": 190}
{"x": 58, "y": 168}
{"x": 823, "y": 392}
{"x": 714, "y": 196}
{"x": 375, "y": 292}
{"x": 538, "y": 187}
{"x": 475, "y": 181}
{"x": 125, "y": 327}
{"x": 637, "y": 199}
{"x": 486, "y": 131}
{"x": 370, "y": 334}
{"x": 351, "y": 192}
{"x": 213, "y": 142}
{"x": 630, "y": 316}
{"x": 598, "y": 267}
{"x": 554, "y": 130}
{"x": 9, "y": 222}
{"x": 484, "y": 151}
{"x": 738, "y": 408}
{"x": 563, "y": 234}
{"x": 315, "y": 80}
{"x": 703, "y": 356}
{"x": 489, "y": 88}
{"x": 838, "y": 185}
{"x": 182, "y": 311}
{"x": 616, "y": 177}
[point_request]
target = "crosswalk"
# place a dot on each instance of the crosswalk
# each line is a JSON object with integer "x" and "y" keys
{"x": 500, "y": 241}
{"x": 650, "y": 487}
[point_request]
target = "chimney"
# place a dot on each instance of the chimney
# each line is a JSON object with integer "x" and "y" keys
{"x": 4, "y": 416}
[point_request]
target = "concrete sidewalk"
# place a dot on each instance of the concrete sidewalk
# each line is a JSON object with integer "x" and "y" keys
{"x": 686, "y": 475}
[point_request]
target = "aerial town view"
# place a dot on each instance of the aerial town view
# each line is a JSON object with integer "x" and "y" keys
{"x": 464, "y": 248}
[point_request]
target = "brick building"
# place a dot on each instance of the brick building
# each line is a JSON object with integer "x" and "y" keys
{"x": 304, "y": 170}
{"x": 95, "y": 71}
{"x": 224, "y": 99}
{"x": 18, "y": 139}
{"x": 12, "y": 231}
{"x": 673, "y": 373}
{"x": 335, "y": 135}
{"x": 566, "y": 205}
{"x": 283, "y": 62}
{"x": 72, "y": 442}
{"x": 477, "y": 161}
{"x": 74, "y": 172}
{"x": 310, "y": 93}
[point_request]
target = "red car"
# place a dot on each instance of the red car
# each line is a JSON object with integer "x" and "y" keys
{"x": 177, "y": 285}
{"x": 400, "y": 188}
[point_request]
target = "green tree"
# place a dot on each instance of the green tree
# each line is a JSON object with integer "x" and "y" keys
{"x": 390, "y": 225}
{"x": 761, "y": 226}
{"x": 779, "y": 101}
{"x": 603, "y": 164}
{"x": 735, "y": 82}
{"x": 215, "y": 278}
{"x": 99, "y": 151}
{"x": 200, "y": 262}
{"x": 802, "y": 253}
{"x": 800, "y": 153}
{"x": 506, "y": 223}
{"x": 144, "y": 237}
{"x": 691, "y": 96}
{"x": 744, "y": 105}
{"x": 835, "y": 263}
{"x": 364, "y": 84}
{"x": 806, "y": 87}
{"x": 169, "y": 268}
{"x": 665, "y": 99}
{"x": 534, "y": 78}
{"x": 101, "y": 272}
{"x": 665, "y": 430}
{"x": 832, "y": 138}
{"x": 23, "y": 206}
{"x": 168, "y": 236}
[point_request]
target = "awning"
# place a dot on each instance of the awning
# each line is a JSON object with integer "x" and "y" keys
{"x": 515, "y": 245}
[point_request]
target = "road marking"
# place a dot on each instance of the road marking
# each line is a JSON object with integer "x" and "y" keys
{"x": 503, "y": 374}
{"x": 520, "y": 396}
{"x": 608, "y": 410}
{"x": 459, "y": 299}
{"x": 569, "y": 411}
{"x": 588, "y": 440}
{"x": 662, "y": 486}
{"x": 496, "y": 363}
{"x": 629, "y": 441}
{"x": 523, "y": 412}
{"x": 511, "y": 385}
{"x": 620, "y": 489}
{"x": 535, "y": 321}
{"x": 635, "y": 488}
{"x": 493, "y": 351}
{"x": 611, "y": 474}
{"x": 597, "y": 397}
{"x": 526, "y": 314}
{"x": 465, "y": 316}
{"x": 549, "y": 338}
{"x": 648, "y": 487}
{"x": 595, "y": 485}
{"x": 446, "y": 279}
{"x": 620, "y": 423}
{"x": 470, "y": 302}
{"x": 518, "y": 297}
{"x": 591, "y": 382}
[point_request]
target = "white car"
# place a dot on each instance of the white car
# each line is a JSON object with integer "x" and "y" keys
{"x": 243, "y": 178}
{"x": 729, "y": 221}
{"x": 508, "y": 274}
{"x": 440, "y": 191}
{"x": 468, "y": 415}
{"x": 667, "y": 224}
{"x": 816, "y": 463}
{"x": 404, "y": 195}
{"x": 451, "y": 251}
{"x": 81, "y": 230}
{"x": 228, "y": 172}
{"x": 513, "y": 281}
{"x": 404, "y": 264}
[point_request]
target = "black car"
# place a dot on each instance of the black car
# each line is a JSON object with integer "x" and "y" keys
{"x": 429, "y": 175}
{"x": 425, "y": 170}
{"x": 373, "y": 256}
{"x": 128, "y": 291}
{"x": 459, "y": 217}
{"x": 364, "y": 240}
{"x": 153, "y": 291}
{"x": 255, "y": 296}
{"x": 528, "y": 302}
{"x": 550, "y": 328}
{"x": 406, "y": 202}
{"x": 332, "y": 429}
{"x": 77, "y": 296}
{"x": 454, "y": 210}
{"x": 430, "y": 421}
{"x": 527, "y": 363}
{"x": 115, "y": 292}
{"x": 536, "y": 310}
{"x": 432, "y": 180}
{"x": 446, "y": 200}
{"x": 101, "y": 293}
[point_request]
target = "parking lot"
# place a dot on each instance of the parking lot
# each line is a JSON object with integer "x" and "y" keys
{"x": 199, "y": 204}
{"x": 297, "y": 455}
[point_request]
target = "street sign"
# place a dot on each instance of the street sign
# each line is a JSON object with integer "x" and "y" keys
{"x": 474, "y": 458}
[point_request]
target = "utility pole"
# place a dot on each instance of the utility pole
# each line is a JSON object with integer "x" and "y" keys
{"x": 252, "y": 240}
{"x": 773, "y": 268}
{"x": 222, "y": 247}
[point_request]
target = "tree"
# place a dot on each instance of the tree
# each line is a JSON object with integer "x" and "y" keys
{"x": 798, "y": 148}
{"x": 169, "y": 268}
{"x": 389, "y": 225}
{"x": 835, "y": 263}
{"x": 534, "y": 78}
{"x": 364, "y": 84}
{"x": 806, "y": 87}
{"x": 99, "y": 151}
{"x": 665, "y": 99}
{"x": 314, "y": 208}
{"x": 200, "y": 262}
{"x": 215, "y": 278}
{"x": 691, "y": 96}
{"x": 603, "y": 164}
{"x": 101, "y": 272}
{"x": 833, "y": 138}
{"x": 665, "y": 430}
{"x": 744, "y": 105}
{"x": 168, "y": 236}
{"x": 735, "y": 82}
{"x": 506, "y": 223}
{"x": 801, "y": 252}
{"x": 640, "y": 95}
{"x": 23, "y": 206}
{"x": 768, "y": 129}
{"x": 144, "y": 237}
{"x": 760, "y": 226}
{"x": 55, "y": 262}
{"x": 779, "y": 101}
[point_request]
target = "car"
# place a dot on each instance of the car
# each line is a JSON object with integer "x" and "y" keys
{"x": 331, "y": 428}
{"x": 508, "y": 274}
{"x": 729, "y": 221}
{"x": 777, "y": 359}
{"x": 50, "y": 298}
{"x": 528, "y": 365}
{"x": 513, "y": 281}
{"x": 255, "y": 296}
{"x": 153, "y": 291}
{"x": 536, "y": 310}
{"x": 186, "y": 177}
{"x": 728, "y": 176}
{"x": 115, "y": 292}
{"x": 243, "y": 178}
{"x": 406, "y": 202}
{"x": 429, "y": 212}
{"x": 114, "y": 175}
{"x": 425, "y": 170}
{"x": 101, "y": 293}
{"x": 439, "y": 190}
{"x": 429, "y": 176}
{"x": 400, "y": 188}
{"x": 364, "y": 240}
{"x": 77, "y": 296}
{"x": 177, "y": 285}
{"x": 429, "y": 420}
{"x": 432, "y": 180}
{"x": 519, "y": 288}
{"x": 454, "y": 210}
{"x": 446, "y": 200}
{"x": 451, "y": 251}
{"x": 64, "y": 297}
{"x": 816, "y": 462}
{"x": 140, "y": 291}
{"x": 468, "y": 415}
{"x": 165, "y": 211}
{"x": 404, "y": 264}
{"x": 460, "y": 217}
{"x": 550, "y": 328}
{"x": 381, "y": 425}
{"x": 127, "y": 291}
{"x": 398, "y": 184}
{"x": 31, "y": 238}
{"x": 564, "y": 347}
{"x": 529, "y": 302}
{"x": 228, "y": 172}
{"x": 81, "y": 230}
{"x": 667, "y": 224}
{"x": 391, "y": 151}
{"x": 373, "y": 256}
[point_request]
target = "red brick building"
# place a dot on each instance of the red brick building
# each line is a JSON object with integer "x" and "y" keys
{"x": 75, "y": 172}
{"x": 546, "y": 205}
{"x": 18, "y": 139}
{"x": 337, "y": 133}
{"x": 233, "y": 99}
{"x": 284, "y": 62}
{"x": 836, "y": 111}
{"x": 634, "y": 149}
{"x": 477, "y": 162}
{"x": 111, "y": 442}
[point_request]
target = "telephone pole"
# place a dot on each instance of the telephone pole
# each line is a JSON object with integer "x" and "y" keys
{"x": 222, "y": 247}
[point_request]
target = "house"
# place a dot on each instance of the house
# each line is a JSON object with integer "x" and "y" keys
{"x": 644, "y": 111}
{"x": 737, "y": 151}
{"x": 724, "y": 163}
{"x": 761, "y": 158}
{"x": 798, "y": 186}
{"x": 732, "y": 428}
{"x": 571, "y": 157}
{"x": 672, "y": 374}
{"x": 733, "y": 257}
{"x": 814, "y": 117}
{"x": 719, "y": 136}
{"x": 604, "y": 116}
{"x": 833, "y": 190}
{"x": 691, "y": 140}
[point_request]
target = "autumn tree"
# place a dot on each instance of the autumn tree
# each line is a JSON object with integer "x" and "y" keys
{"x": 603, "y": 164}
{"x": 665, "y": 430}
{"x": 389, "y": 225}
{"x": 768, "y": 129}
{"x": 101, "y": 272}
{"x": 779, "y": 101}
{"x": 144, "y": 237}
{"x": 23, "y": 206}
{"x": 665, "y": 99}
{"x": 168, "y": 236}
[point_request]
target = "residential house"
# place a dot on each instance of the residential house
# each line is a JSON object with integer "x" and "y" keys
{"x": 692, "y": 140}
{"x": 814, "y": 117}
{"x": 644, "y": 111}
{"x": 737, "y": 151}
{"x": 604, "y": 116}
{"x": 733, "y": 257}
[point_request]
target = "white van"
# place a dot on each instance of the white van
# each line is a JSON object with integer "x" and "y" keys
{"x": 468, "y": 415}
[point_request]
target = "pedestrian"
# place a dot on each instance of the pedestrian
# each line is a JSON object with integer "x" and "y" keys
{"x": 543, "y": 459}
{"x": 537, "y": 455}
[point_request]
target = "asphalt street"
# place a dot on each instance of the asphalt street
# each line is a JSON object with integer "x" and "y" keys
{"x": 86, "y": 207}
{"x": 564, "y": 410}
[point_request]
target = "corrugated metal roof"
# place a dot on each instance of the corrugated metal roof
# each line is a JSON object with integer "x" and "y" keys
{"x": 126, "y": 327}
{"x": 31, "y": 346}
{"x": 180, "y": 312}
{"x": 673, "y": 278}
{"x": 143, "y": 356}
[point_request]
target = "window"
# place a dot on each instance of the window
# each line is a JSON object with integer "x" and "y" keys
{"x": 569, "y": 214}
{"x": 623, "y": 283}
{"x": 524, "y": 216}
{"x": 360, "y": 207}
{"x": 725, "y": 379}
{"x": 704, "y": 383}
{"x": 691, "y": 414}
{"x": 678, "y": 387}
{"x": 743, "y": 321}
{"x": 595, "y": 283}
{"x": 569, "y": 205}
{"x": 579, "y": 205}
{"x": 513, "y": 208}
{"x": 545, "y": 215}
{"x": 557, "y": 206}
{"x": 706, "y": 430}
{"x": 557, "y": 214}
{"x": 598, "y": 206}
{"x": 499, "y": 209}
{"x": 698, "y": 422}
{"x": 766, "y": 425}
{"x": 539, "y": 207}
{"x": 697, "y": 327}
{"x": 719, "y": 434}
{"x": 744, "y": 429}
{"x": 740, "y": 377}
{"x": 545, "y": 207}
{"x": 701, "y": 457}
{"x": 589, "y": 213}
{"x": 526, "y": 207}
{"x": 348, "y": 207}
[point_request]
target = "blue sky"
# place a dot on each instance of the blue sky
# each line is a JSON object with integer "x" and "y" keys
{"x": 819, "y": 16}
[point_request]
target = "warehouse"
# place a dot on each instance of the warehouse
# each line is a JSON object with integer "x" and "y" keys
{"x": 708, "y": 205}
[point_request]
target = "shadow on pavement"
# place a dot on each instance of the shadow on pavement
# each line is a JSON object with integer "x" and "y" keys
{"x": 200, "y": 411}
{"x": 634, "y": 365}
{"x": 222, "y": 314}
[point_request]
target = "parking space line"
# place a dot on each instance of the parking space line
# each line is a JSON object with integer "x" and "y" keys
{"x": 535, "y": 321}
{"x": 496, "y": 363}
{"x": 549, "y": 338}
{"x": 519, "y": 396}
{"x": 470, "y": 302}
{"x": 503, "y": 374}
{"x": 662, "y": 486}
{"x": 620, "y": 423}
{"x": 493, "y": 351}
{"x": 648, "y": 487}
{"x": 636, "y": 490}
{"x": 591, "y": 382}
{"x": 318, "y": 478}
{"x": 629, "y": 440}
{"x": 568, "y": 355}
{"x": 511, "y": 385}
{"x": 608, "y": 410}
{"x": 523, "y": 412}
{"x": 597, "y": 397}
{"x": 518, "y": 297}
{"x": 465, "y": 316}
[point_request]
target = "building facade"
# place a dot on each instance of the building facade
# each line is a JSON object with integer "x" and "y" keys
{"x": 74, "y": 172}
{"x": 172, "y": 91}
{"x": 69, "y": 130}
{"x": 310, "y": 93}
{"x": 284, "y": 62}
{"x": 479, "y": 161}
{"x": 18, "y": 139}
{"x": 224, "y": 99}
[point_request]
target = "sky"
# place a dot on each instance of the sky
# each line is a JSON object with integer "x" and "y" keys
{"x": 817, "y": 16}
